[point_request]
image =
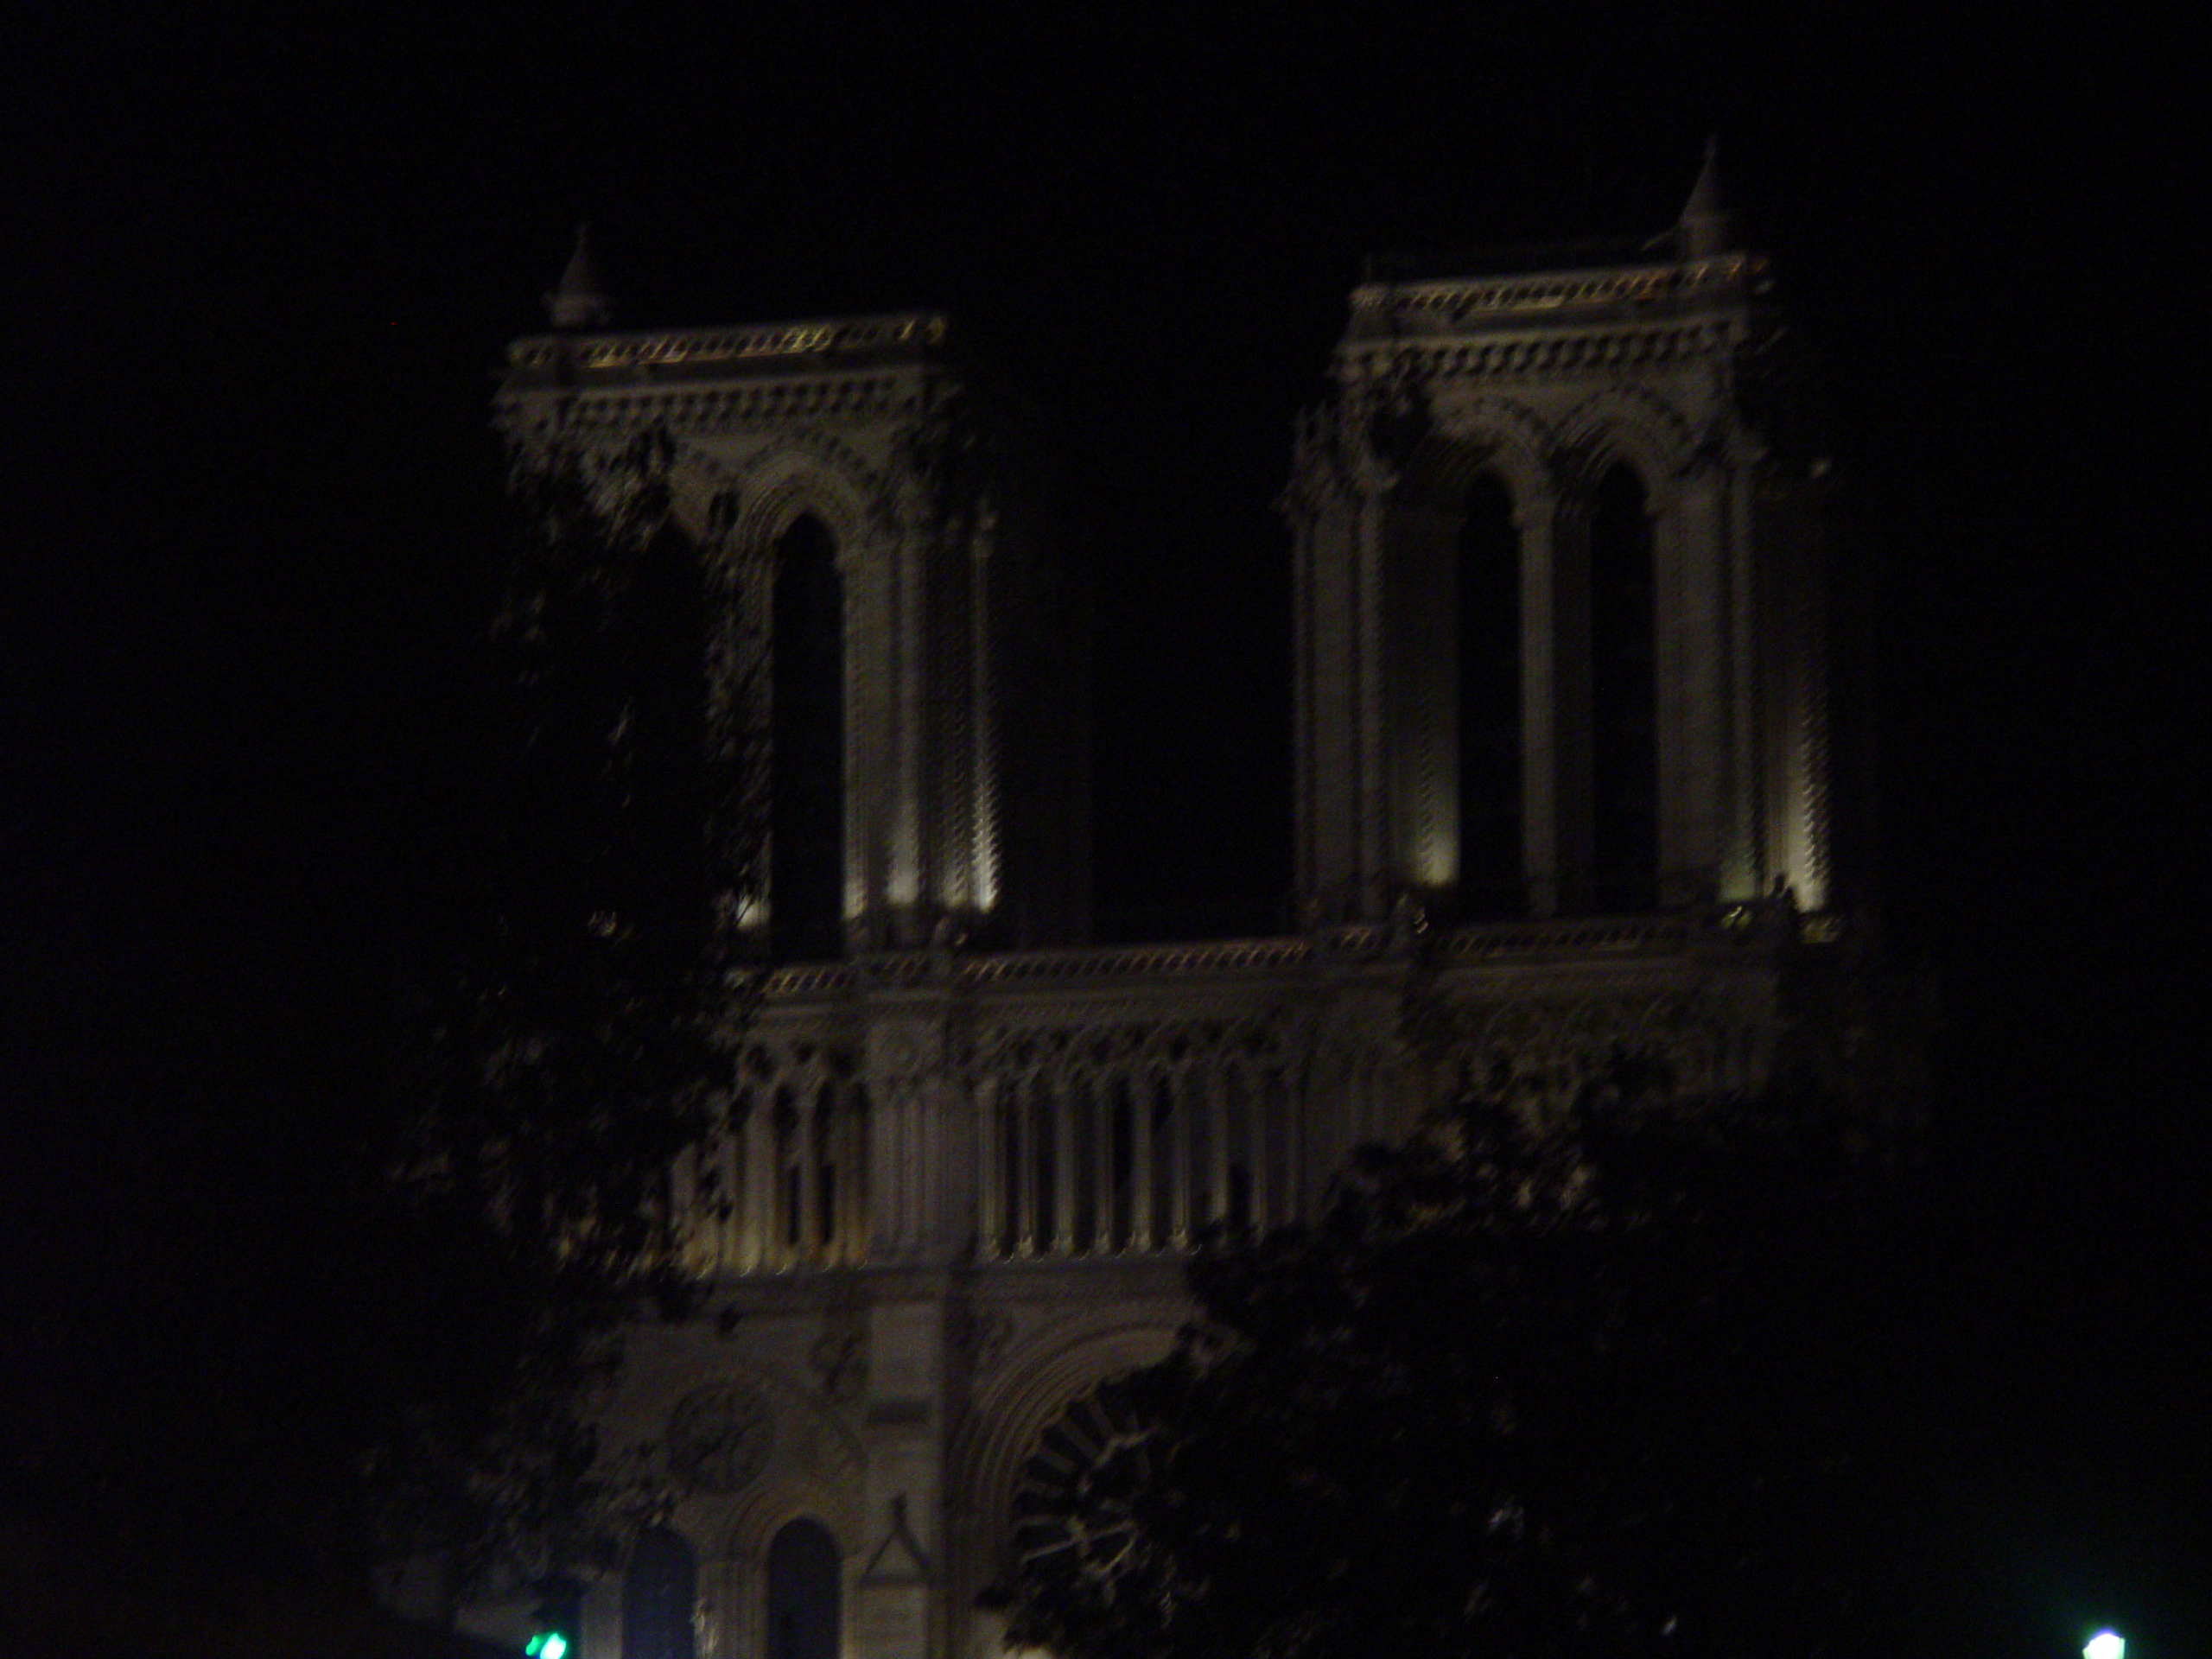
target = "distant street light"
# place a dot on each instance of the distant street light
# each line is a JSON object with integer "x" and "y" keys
{"x": 2106, "y": 1644}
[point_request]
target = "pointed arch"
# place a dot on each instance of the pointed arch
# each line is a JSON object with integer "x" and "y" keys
{"x": 1485, "y": 433}
{"x": 1624, "y": 424}
{"x": 809, "y": 471}
{"x": 1034, "y": 1383}
{"x": 1459, "y": 557}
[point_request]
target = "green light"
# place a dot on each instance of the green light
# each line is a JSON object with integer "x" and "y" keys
{"x": 551, "y": 1644}
{"x": 2105, "y": 1644}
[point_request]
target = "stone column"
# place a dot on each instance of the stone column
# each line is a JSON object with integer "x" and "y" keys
{"x": 1143, "y": 1091}
{"x": 1102, "y": 1133}
{"x": 1022, "y": 1172}
{"x": 991, "y": 1183}
{"x": 807, "y": 1131}
{"x": 1747, "y": 779}
{"x": 1371, "y": 896}
{"x": 1700, "y": 854}
{"x": 1062, "y": 1168}
{"x": 950, "y": 1147}
{"x": 1182, "y": 1103}
{"x": 1669, "y": 661}
{"x": 910, "y": 1185}
{"x": 1217, "y": 1140}
{"x": 1536, "y": 519}
{"x": 761, "y": 1175}
{"x": 982, "y": 729}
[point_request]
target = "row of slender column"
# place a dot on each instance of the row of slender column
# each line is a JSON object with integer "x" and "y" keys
{"x": 784, "y": 1185}
{"x": 1100, "y": 1166}
{"x": 1721, "y": 685}
{"x": 1076, "y": 1165}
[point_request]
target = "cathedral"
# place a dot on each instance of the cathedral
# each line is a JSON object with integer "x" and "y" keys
{"x": 1566, "y": 764}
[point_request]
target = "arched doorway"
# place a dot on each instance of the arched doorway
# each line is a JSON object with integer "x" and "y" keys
{"x": 804, "y": 1615}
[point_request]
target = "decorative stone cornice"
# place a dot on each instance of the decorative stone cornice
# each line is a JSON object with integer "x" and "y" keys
{"x": 694, "y": 407}
{"x": 707, "y": 380}
{"x": 1605, "y": 936}
{"x": 776, "y": 346}
{"x": 1365, "y": 357}
{"x": 1464, "y": 302}
{"x": 1673, "y": 934}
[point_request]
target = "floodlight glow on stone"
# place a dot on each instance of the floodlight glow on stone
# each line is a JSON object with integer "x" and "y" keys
{"x": 2106, "y": 1644}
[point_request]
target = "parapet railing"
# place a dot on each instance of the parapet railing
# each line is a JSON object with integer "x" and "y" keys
{"x": 827, "y": 337}
{"x": 1671, "y": 933}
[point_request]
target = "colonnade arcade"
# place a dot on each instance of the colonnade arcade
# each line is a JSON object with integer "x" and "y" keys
{"x": 1524, "y": 645}
{"x": 1523, "y": 680}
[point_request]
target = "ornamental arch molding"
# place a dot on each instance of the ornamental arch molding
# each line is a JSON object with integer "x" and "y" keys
{"x": 1631, "y": 425}
{"x": 1036, "y": 1383}
{"x": 732, "y": 1540}
{"x": 804, "y": 472}
{"x": 749, "y": 1526}
{"x": 1477, "y": 434}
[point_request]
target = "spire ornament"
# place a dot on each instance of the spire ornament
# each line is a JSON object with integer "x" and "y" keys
{"x": 577, "y": 301}
{"x": 1704, "y": 229}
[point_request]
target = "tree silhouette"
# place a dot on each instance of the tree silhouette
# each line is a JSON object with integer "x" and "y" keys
{"x": 568, "y": 1044}
{"x": 1598, "y": 1380}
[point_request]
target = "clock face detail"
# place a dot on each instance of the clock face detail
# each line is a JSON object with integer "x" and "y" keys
{"x": 719, "y": 1437}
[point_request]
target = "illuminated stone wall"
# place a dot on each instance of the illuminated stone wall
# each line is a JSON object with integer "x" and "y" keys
{"x": 963, "y": 1159}
{"x": 955, "y": 794}
{"x": 1544, "y": 383}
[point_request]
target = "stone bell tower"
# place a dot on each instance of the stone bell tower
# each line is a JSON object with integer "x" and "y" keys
{"x": 1559, "y": 601}
{"x": 890, "y": 658}
{"x": 1560, "y": 605}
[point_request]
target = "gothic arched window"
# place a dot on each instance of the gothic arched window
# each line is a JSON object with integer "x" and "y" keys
{"x": 806, "y": 785}
{"x": 803, "y": 1592}
{"x": 659, "y": 1589}
{"x": 791, "y": 1173}
{"x": 1623, "y": 727}
{"x": 825, "y": 1123}
{"x": 1489, "y": 572}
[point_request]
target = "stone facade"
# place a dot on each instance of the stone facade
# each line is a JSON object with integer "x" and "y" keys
{"x": 966, "y": 1152}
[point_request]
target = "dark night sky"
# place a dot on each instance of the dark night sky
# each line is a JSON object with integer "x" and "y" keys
{"x": 257, "y": 281}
